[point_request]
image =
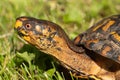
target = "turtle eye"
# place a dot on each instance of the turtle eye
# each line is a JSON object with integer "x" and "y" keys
{"x": 28, "y": 26}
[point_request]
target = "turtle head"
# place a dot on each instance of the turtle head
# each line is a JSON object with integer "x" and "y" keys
{"x": 40, "y": 33}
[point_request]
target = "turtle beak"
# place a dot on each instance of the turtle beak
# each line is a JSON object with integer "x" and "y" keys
{"x": 20, "y": 28}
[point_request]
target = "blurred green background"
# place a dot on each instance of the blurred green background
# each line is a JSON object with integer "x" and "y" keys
{"x": 17, "y": 60}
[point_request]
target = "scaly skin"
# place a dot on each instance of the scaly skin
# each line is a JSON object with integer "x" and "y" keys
{"x": 49, "y": 38}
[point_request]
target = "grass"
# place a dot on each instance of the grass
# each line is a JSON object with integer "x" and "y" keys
{"x": 20, "y": 61}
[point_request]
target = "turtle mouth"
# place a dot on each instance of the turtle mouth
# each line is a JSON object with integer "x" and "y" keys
{"x": 21, "y": 31}
{"x": 21, "y": 34}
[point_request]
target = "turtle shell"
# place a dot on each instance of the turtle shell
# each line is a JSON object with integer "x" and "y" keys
{"x": 103, "y": 38}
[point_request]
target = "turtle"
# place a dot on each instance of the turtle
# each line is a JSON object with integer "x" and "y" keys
{"x": 77, "y": 56}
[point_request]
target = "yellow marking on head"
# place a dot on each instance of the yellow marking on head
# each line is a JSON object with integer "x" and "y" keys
{"x": 27, "y": 38}
{"x": 105, "y": 28}
{"x": 18, "y": 23}
{"x": 23, "y": 32}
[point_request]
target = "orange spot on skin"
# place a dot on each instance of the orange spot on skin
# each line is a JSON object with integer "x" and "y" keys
{"x": 27, "y": 38}
{"x": 106, "y": 49}
{"x": 105, "y": 28}
{"x": 18, "y": 24}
